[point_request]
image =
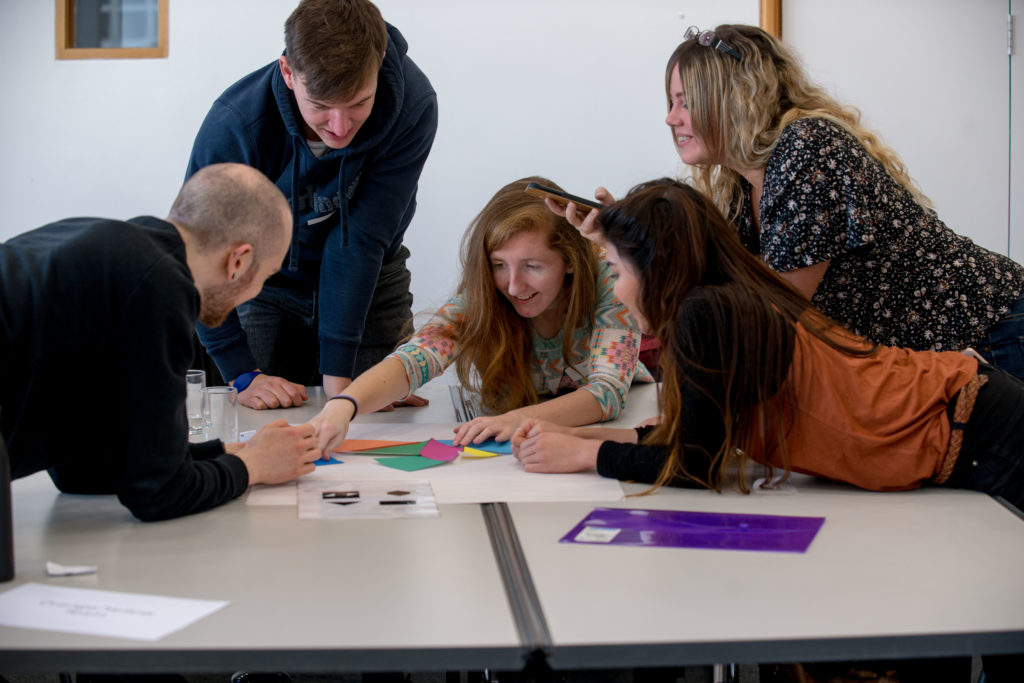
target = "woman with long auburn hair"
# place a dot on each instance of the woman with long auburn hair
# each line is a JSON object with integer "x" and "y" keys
{"x": 534, "y": 317}
{"x": 753, "y": 373}
{"x": 826, "y": 204}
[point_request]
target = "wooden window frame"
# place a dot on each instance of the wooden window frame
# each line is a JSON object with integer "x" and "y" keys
{"x": 771, "y": 17}
{"x": 65, "y": 38}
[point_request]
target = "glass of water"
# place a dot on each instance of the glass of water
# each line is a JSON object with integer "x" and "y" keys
{"x": 220, "y": 413}
{"x": 195, "y": 382}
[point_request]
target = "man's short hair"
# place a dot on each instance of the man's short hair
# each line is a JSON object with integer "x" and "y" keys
{"x": 336, "y": 46}
{"x": 228, "y": 204}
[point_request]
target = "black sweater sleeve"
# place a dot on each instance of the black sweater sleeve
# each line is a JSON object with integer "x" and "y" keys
{"x": 157, "y": 473}
{"x": 643, "y": 463}
{"x": 703, "y": 429}
{"x": 146, "y": 458}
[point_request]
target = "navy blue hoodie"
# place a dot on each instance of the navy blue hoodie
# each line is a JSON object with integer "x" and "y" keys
{"x": 351, "y": 206}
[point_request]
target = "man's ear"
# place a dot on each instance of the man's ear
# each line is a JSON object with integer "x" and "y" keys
{"x": 286, "y": 72}
{"x": 239, "y": 261}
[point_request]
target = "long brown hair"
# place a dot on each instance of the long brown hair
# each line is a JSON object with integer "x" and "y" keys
{"x": 492, "y": 338}
{"x": 739, "y": 108}
{"x": 677, "y": 241}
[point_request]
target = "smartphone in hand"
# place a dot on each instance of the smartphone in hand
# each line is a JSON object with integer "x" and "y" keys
{"x": 563, "y": 198}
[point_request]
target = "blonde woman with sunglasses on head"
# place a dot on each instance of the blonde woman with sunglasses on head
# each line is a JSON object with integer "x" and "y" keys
{"x": 828, "y": 206}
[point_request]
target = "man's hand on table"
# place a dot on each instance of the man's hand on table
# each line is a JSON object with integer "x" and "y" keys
{"x": 268, "y": 391}
{"x": 278, "y": 452}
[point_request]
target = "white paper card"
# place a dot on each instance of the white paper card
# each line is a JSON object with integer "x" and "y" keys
{"x": 103, "y": 613}
{"x": 325, "y": 499}
{"x": 597, "y": 534}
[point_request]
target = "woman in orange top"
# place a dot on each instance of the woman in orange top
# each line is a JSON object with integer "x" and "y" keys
{"x": 753, "y": 373}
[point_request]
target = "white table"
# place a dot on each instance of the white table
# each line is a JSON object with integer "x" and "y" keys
{"x": 311, "y": 595}
{"x": 922, "y": 573}
{"x": 890, "y": 575}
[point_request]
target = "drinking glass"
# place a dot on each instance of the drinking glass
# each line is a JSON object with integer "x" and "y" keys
{"x": 220, "y": 413}
{"x": 195, "y": 382}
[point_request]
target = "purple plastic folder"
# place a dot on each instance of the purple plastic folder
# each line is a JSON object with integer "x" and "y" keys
{"x": 682, "y": 529}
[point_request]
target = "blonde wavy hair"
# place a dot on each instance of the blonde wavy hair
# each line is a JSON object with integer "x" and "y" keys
{"x": 739, "y": 108}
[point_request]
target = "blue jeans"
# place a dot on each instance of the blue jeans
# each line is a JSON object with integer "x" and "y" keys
{"x": 282, "y": 325}
{"x": 1003, "y": 346}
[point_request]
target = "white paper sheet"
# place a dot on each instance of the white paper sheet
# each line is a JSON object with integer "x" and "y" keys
{"x": 466, "y": 480}
{"x": 103, "y": 613}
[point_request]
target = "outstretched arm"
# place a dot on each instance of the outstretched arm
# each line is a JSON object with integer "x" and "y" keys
{"x": 376, "y": 388}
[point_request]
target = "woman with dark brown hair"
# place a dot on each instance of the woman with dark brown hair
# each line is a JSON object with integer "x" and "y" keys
{"x": 753, "y": 373}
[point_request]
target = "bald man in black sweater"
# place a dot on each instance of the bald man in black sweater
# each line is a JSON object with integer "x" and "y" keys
{"x": 96, "y": 324}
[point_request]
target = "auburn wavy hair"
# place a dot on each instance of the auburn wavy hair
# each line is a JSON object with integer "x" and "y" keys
{"x": 494, "y": 340}
{"x": 676, "y": 241}
{"x": 739, "y": 108}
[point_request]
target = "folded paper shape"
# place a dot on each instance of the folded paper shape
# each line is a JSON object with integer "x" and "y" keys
{"x": 468, "y": 452}
{"x": 409, "y": 463}
{"x": 357, "y": 445}
{"x": 435, "y": 450}
{"x": 490, "y": 445}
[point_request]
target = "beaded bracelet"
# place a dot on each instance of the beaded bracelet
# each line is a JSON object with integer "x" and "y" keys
{"x": 346, "y": 397}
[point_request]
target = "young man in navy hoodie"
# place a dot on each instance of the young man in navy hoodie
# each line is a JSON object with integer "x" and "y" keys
{"x": 342, "y": 123}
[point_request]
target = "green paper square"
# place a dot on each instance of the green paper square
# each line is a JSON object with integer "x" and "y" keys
{"x": 407, "y": 449}
{"x": 409, "y": 463}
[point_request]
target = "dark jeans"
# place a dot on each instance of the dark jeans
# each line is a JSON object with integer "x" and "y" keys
{"x": 1003, "y": 346}
{"x": 282, "y": 325}
{"x": 991, "y": 459}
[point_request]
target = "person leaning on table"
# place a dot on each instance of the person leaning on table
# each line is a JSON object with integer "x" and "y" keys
{"x": 534, "y": 317}
{"x": 343, "y": 123}
{"x": 96, "y": 324}
{"x": 827, "y": 205}
{"x": 754, "y": 377}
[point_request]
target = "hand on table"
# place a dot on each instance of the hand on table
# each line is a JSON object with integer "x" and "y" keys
{"x": 584, "y": 221}
{"x": 331, "y": 425}
{"x": 279, "y": 452}
{"x": 268, "y": 391}
{"x": 410, "y": 401}
{"x": 478, "y": 430}
{"x": 544, "y": 447}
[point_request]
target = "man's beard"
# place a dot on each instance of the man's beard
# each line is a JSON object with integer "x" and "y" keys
{"x": 217, "y": 301}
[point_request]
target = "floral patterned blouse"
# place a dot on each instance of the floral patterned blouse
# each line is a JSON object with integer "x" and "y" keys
{"x": 898, "y": 275}
{"x": 605, "y": 352}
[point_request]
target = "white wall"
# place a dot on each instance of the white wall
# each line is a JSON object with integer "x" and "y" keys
{"x": 571, "y": 89}
{"x": 932, "y": 77}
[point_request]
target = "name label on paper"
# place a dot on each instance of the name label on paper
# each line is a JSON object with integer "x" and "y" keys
{"x": 104, "y": 613}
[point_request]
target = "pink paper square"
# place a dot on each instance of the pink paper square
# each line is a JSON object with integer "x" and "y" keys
{"x": 438, "y": 451}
